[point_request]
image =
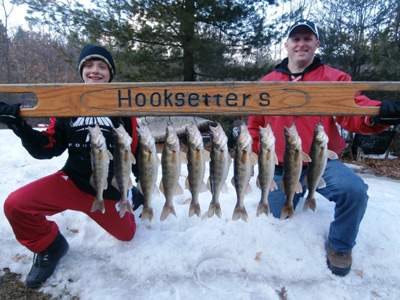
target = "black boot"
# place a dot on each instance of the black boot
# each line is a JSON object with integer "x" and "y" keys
{"x": 46, "y": 261}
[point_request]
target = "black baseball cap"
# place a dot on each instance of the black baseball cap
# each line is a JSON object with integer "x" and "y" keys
{"x": 302, "y": 22}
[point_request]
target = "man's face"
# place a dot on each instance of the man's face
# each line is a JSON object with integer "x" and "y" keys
{"x": 95, "y": 71}
{"x": 301, "y": 46}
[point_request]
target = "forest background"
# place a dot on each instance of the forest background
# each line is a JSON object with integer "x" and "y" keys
{"x": 203, "y": 40}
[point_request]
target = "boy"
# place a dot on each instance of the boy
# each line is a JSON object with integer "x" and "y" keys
{"x": 26, "y": 208}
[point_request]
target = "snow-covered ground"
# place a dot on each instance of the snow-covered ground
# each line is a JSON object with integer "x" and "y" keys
{"x": 209, "y": 258}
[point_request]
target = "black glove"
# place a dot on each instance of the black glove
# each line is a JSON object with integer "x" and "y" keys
{"x": 137, "y": 198}
{"x": 9, "y": 114}
{"x": 388, "y": 115}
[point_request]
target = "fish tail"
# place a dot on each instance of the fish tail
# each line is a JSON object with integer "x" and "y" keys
{"x": 240, "y": 213}
{"x": 167, "y": 210}
{"x": 215, "y": 208}
{"x": 194, "y": 209}
{"x": 287, "y": 211}
{"x": 98, "y": 204}
{"x": 310, "y": 203}
{"x": 124, "y": 207}
{"x": 147, "y": 213}
{"x": 263, "y": 207}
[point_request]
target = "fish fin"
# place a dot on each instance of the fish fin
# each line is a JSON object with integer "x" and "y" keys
{"x": 124, "y": 207}
{"x": 156, "y": 190}
{"x": 187, "y": 201}
{"x": 321, "y": 184}
{"x": 263, "y": 208}
{"x": 253, "y": 158}
{"x": 114, "y": 183}
{"x": 167, "y": 210}
{"x": 194, "y": 209}
{"x": 162, "y": 187}
{"x": 130, "y": 183}
{"x": 332, "y": 155}
{"x": 248, "y": 190}
{"x": 206, "y": 155}
{"x": 258, "y": 182}
{"x": 215, "y": 208}
{"x": 306, "y": 181}
{"x": 224, "y": 188}
{"x": 283, "y": 187}
{"x": 229, "y": 160}
{"x": 92, "y": 182}
{"x": 139, "y": 187}
{"x": 273, "y": 186}
{"x": 203, "y": 187}
{"x": 240, "y": 213}
{"x": 98, "y": 205}
{"x": 287, "y": 211}
{"x": 147, "y": 213}
{"x": 310, "y": 203}
{"x": 305, "y": 157}
{"x": 187, "y": 185}
{"x": 183, "y": 157}
{"x": 275, "y": 159}
{"x": 233, "y": 181}
{"x": 109, "y": 156}
{"x": 299, "y": 188}
{"x": 178, "y": 190}
{"x": 132, "y": 158}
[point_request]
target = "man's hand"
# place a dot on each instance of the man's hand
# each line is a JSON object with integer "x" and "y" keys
{"x": 389, "y": 114}
{"x": 9, "y": 114}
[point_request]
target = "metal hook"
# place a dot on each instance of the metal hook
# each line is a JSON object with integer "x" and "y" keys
{"x": 145, "y": 122}
{"x": 169, "y": 122}
{"x": 195, "y": 121}
{"x": 320, "y": 120}
{"x": 294, "y": 120}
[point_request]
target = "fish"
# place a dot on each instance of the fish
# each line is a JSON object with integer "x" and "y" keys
{"x": 242, "y": 169}
{"x": 100, "y": 160}
{"x": 196, "y": 156}
{"x": 148, "y": 162}
{"x": 319, "y": 154}
{"x": 267, "y": 160}
{"x": 220, "y": 161}
{"x": 292, "y": 166}
{"x": 123, "y": 160}
{"x": 171, "y": 169}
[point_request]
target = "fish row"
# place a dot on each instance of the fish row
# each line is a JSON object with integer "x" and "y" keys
{"x": 100, "y": 160}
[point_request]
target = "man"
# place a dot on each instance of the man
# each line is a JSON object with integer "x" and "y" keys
{"x": 70, "y": 188}
{"x": 343, "y": 186}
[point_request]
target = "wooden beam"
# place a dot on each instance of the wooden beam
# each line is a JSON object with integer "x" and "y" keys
{"x": 198, "y": 98}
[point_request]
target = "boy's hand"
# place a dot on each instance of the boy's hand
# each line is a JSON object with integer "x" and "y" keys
{"x": 9, "y": 114}
{"x": 389, "y": 114}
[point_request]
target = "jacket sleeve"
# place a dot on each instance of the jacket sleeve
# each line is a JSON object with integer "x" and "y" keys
{"x": 43, "y": 144}
{"x": 253, "y": 126}
{"x": 360, "y": 124}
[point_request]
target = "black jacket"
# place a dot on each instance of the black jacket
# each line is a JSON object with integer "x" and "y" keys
{"x": 72, "y": 134}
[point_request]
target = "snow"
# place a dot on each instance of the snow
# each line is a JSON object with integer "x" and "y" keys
{"x": 209, "y": 258}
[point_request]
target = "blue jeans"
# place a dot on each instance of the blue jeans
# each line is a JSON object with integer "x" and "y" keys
{"x": 343, "y": 187}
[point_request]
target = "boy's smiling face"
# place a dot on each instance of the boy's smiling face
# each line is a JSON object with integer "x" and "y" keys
{"x": 95, "y": 71}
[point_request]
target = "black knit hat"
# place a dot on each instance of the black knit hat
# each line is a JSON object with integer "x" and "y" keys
{"x": 96, "y": 52}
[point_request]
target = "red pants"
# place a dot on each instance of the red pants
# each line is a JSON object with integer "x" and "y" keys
{"x": 26, "y": 210}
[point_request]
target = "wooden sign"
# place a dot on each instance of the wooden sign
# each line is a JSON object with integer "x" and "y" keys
{"x": 198, "y": 98}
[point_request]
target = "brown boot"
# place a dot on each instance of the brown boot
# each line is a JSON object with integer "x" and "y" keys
{"x": 338, "y": 263}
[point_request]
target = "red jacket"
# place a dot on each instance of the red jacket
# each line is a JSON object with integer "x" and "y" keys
{"x": 305, "y": 124}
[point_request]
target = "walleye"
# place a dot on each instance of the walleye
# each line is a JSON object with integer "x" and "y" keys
{"x": 148, "y": 162}
{"x": 242, "y": 164}
{"x": 123, "y": 160}
{"x": 100, "y": 158}
{"x": 196, "y": 167}
{"x": 292, "y": 165}
{"x": 219, "y": 168}
{"x": 171, "y": 169}
{"x": 267, "y": 160}
{"x": 319, "y": 155}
